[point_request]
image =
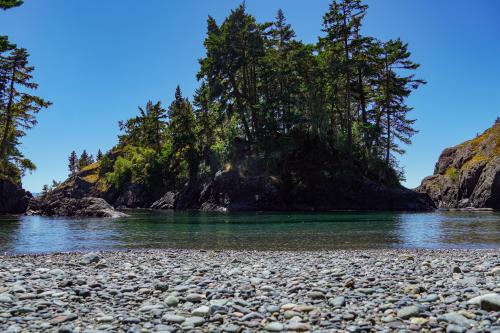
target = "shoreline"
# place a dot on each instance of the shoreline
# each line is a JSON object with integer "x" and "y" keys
{"x": 353, "y": 250}
{"x": 117, "y": 251}
{"x": 167, "y": 290}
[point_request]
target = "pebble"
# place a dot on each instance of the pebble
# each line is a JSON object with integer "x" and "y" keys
{"x": 458, "y": 319}
{"x": 194, "y": 298}
{"x": 409, "y": 311}
{"x": 274, "y": 327}
{"x": 232, "y": 291}
{"x": 202, "y": 311}
{"x": 90, "y": 258}
{"x": 454, "y": 329}
{"x": 172, "y": 301}
{"x": 171, "y": 318}
{"x": 230, "y": 328}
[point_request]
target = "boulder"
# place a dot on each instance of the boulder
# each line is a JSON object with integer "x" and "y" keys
{"x": 72, "y": 207}
{"x": 167, "y": 201}
{"x": 13, "y": 199}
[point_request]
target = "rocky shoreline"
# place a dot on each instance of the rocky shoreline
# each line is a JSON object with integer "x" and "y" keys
{"x": 247, "y": 291}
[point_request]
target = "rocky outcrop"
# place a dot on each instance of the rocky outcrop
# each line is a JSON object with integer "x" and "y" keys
{"x": 13, "y": 199}
{"x": 467, "y": 175}
{"x": 57, "y": 205}
{"x": 236, "y": 191}
{"x": 232, "y": 191}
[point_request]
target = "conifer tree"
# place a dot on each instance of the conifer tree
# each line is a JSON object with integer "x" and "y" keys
{"x": 18, "y": 108}
{"x": 84, "y": 160}
{"x": 394, "y": 88}
{"x": 7, "y": 4}
{"x": 182, "y": 128}
{"x": 99, "y": 155}
{"x": 341, "y": 24}
{"x": 45, "y": 189}
{"x": 73, "y": 164}
{"x": 147, "y": 129}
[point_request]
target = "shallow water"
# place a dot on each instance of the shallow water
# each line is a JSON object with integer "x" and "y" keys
{"x": 252, "y": 231}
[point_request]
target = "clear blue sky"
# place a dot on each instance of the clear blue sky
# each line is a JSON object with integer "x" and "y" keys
{"x": 98, "y": 60}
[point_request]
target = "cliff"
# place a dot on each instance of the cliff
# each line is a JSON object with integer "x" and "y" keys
{"x": 467, "y": 175}
{"x": 13, "y": 199}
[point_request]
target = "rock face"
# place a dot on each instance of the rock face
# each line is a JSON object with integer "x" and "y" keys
{"x": 467, "y": 175}
{"x": 234, "y": 191}
{"x": 237, "y": 190}
{"x": 62, "y": 206}
{"x": 13, "y": 199}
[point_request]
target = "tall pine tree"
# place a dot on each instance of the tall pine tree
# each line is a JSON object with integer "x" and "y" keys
{"x": 73, "y": 165}
{"x": 18, "y": 109}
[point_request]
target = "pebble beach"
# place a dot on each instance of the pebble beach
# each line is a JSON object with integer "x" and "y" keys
{"x": 252, "y": 291}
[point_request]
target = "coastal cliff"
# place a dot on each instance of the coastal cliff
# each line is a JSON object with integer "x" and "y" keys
{"x": 467, "y": 175}
{"x": 13, "y": 199}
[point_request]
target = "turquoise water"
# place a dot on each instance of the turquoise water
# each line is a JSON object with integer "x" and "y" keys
{"x": 252, "y": 231}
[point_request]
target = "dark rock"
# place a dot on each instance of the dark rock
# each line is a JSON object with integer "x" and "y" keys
{"x": 56, "y": 205}
{"x": 230, "y": 190}
{"x": 132, "y": 196}
{"x": 235, "y": 191}
{"x": 13, "y": 199}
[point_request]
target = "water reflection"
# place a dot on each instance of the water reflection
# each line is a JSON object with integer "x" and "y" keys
{"x": 258, "y": 231}
{"x": 452, "y": 229}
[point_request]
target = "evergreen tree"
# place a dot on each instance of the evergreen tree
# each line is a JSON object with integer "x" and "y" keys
{"x": 99, "y": 155}
{"x": 182, "y": 128}
{"x": 7, "y": 4}
{"x": 394, "y": 88}
{"x": 55, "y": 184}
{"x": 232, "y": 65}
{"x": 45, "y": 189}
{"x": 147, "y": 129}
{"x": 269, "y": 102}
{"x": 207, "y": 122}
{"x": 341, "y": 24}
{"x": 84, "y": 160}
{"x": 73, "y": 164}
{"x": 18, "y": 109}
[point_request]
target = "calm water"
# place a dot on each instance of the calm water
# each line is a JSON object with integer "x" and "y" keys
{"x": 259, "y": 231}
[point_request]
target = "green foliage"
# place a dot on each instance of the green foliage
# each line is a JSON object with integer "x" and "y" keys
{"x": 452, "y": 173}
{"x": 18, "y": 110}
{"x": 133, "y": 166}
{"x": 270, "y": 103}
{"x": 7, "y": 4}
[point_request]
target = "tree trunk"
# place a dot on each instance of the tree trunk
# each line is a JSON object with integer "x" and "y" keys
{"x": 348, "y": 90}
{"x": 8, "y": 115}
{"x": 388, "y": 113}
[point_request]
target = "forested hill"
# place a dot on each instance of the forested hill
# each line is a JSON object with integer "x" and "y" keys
{"x": 275, "y": 121}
